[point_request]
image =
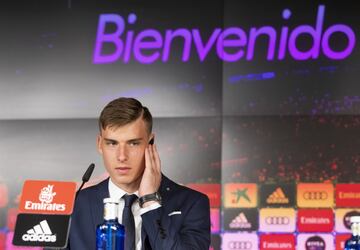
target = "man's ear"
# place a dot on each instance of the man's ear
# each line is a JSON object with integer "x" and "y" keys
{"x": 152, "y": 139}
{"x": 98, "y": 144}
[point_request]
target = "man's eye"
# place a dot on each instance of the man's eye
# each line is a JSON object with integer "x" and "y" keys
{"x": 134, "y": 143}
{"x": 111, "y": 143}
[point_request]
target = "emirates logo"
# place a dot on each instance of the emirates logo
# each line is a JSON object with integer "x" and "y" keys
{"x": 46, "y": 194}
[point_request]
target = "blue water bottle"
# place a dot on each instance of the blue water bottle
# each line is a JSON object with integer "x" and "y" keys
{"x": 110, "y": 234}
{"x": 354, "y": 242}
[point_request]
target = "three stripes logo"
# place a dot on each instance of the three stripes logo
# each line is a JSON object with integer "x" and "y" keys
{"x": 40, "y": 233}
{"x": 240, "y": 221}
{"x": 277, "y": 197}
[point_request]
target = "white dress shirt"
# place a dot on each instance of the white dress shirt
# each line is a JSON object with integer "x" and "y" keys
{"x": 117, "y": 193}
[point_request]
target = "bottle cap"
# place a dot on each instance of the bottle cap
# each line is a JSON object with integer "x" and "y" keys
{"x": 355, "y": 219}
{"x": 111, "y": 200}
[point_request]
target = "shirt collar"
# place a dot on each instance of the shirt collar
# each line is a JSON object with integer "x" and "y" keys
{"x": 116, "y": 192}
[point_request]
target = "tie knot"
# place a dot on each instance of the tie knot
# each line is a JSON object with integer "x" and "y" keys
{"x": 129, "y": 199}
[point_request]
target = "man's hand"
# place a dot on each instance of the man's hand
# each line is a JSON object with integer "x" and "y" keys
{"x": 151, "y": 178}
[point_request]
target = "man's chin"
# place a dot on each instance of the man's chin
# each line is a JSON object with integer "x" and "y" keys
{"x": 124, "y": 180}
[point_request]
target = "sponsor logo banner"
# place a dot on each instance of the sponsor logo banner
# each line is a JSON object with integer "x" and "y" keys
{"x": 315, "y": 242}
{"x": 215, "y": 242}
{"x": 277, "y": 220}
{"x": 240, "y": 195}
{"x": 215, "y": 220}
{"x": 213, "y": 191}
{"x": 340, "y": 240}
{"x": 240, "y": 241}
{"x": 41, "y": 230}
{"x": 347, "y": 195}
{"x": 342, "y": 219}
{"x": 315, "y": 220}
{"x": 315, "y": 195}
{"x": 241, "y": 219}
{"x": 272, "y": 195}
{"x": 47, "y": 197}
{"x": 277, "y": 242}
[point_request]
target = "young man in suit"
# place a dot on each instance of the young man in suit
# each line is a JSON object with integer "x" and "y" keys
{"x": 164, "y": 215}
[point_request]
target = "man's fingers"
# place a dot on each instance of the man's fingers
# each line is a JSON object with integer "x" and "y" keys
{"x": 152, "y": 176}
{"x": 147, "y": 158}
{"x": 157, "y": 159}
{"x": 151, "y": 156}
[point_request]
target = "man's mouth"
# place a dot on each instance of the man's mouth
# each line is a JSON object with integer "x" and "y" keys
{"x": 122, "y": 170}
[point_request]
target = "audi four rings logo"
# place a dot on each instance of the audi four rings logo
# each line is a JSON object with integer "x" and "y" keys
{"x": 277, "y": 220}
{"x": 315, "y": 195}
{"x": 239, "y": 245}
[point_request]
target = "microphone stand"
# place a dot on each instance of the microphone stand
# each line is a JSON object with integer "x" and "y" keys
{"x": 85, "y": 178}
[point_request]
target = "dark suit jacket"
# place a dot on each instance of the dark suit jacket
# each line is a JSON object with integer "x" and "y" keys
{"x": 188, "y": 230}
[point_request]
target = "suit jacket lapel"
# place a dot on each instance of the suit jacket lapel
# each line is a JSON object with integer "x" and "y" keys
{"x": 165, "y": 187}
{"x": 143, "y": 239}
{"x": 97, "y": 202}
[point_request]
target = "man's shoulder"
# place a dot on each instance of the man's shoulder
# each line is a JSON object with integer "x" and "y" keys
{"x": 89, "y": 192}
{"x": 169, "y": 184}
{"x": 97, "y": 186}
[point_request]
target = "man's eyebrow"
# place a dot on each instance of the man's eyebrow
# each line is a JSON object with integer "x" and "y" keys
{"x": 110, "y": 140}
{"x": 131, "y": 140}
{"x": 135, "y": 140}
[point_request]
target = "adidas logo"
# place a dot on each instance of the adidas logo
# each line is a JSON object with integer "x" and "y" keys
{"x": 240, "y": 221}
{"x": 40, "y": 233}
{"x": 277, "y": 197}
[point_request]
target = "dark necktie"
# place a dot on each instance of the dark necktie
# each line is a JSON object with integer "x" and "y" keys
{"x": 128, "y": 221}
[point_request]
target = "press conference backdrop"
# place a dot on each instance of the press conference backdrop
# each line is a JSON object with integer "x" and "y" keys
{"x": 256, "y": 104}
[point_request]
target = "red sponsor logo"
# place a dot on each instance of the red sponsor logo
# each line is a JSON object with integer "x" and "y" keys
{"x": 213, "y": 191}
{"x": 340, "y": 241}
{"x": 315, "y": 220}
{"x": 347, "y": 195}
{"x": 47, "y": 197}
{"x": 277, "y": 242}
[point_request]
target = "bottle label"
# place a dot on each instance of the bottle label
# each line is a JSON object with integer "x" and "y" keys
{"x": 110, "y": 211}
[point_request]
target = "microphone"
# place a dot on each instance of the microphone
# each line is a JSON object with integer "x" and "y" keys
{"x": 86, "y": 177}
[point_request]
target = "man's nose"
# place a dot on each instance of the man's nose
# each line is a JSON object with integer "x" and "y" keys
{"x": 122, "y": 153}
